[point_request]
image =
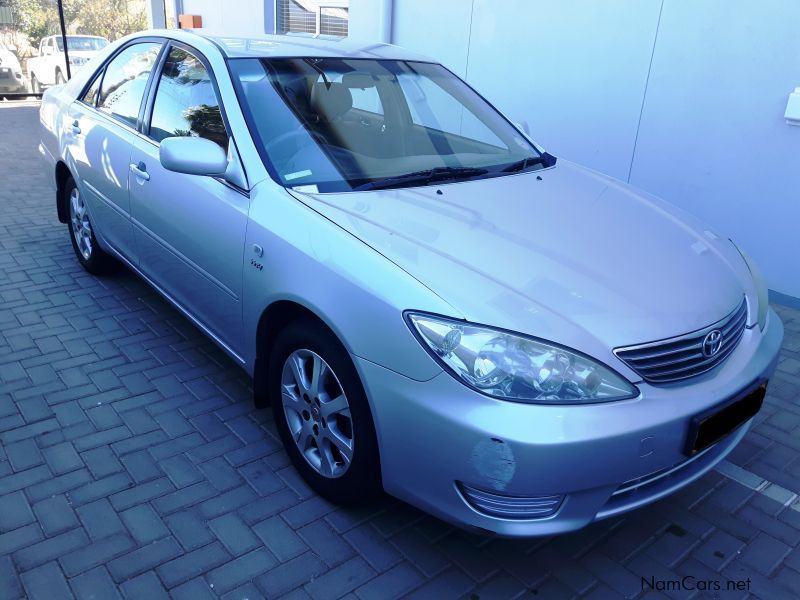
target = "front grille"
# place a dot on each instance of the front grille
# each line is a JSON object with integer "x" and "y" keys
{"x": 682, "y": 357}
{"x": 510, "y": 507}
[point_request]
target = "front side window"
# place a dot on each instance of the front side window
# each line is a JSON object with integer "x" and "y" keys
{"x": 125, "y": 80}
{"x": 356, "y": 124}
{"x": 186, "y": 103}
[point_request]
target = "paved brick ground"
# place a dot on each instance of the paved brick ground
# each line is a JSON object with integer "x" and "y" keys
{"x": 132, "y": 464}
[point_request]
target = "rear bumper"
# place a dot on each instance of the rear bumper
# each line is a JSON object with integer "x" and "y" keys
{"x": 12, "y": 82}
{"x": 438, "y": 434}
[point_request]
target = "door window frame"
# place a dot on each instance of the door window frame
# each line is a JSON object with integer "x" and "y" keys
{"x": 100, "y": 74}
{"x": 152, "y": 90}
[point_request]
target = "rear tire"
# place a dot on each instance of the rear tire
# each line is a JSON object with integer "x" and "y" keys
{"x": 322, "y": 414}
{"x": 92, "y": 258}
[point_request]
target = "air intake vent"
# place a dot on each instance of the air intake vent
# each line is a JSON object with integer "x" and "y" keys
{"x": 687, "y": 355}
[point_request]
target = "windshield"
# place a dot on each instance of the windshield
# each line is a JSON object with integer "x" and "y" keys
{"x": 346, "y": 124}
{"x": 78, "y": 42}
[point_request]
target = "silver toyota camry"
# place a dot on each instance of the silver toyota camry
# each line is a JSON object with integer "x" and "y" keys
{"x": 432, "y": 304}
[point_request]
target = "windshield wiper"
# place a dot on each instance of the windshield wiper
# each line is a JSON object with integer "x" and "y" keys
{"x": 545, "y": 159}
{"x": 422, "y": 177}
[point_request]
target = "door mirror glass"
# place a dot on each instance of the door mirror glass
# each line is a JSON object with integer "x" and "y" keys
{"x": 193, "y": 156}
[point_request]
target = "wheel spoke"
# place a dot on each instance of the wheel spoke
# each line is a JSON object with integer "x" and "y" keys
{"x": 335, "y": 406}
{"x": 291, "y": 400}
{"x": 327, "y": 464}
{"x": 341, "y": 443}
{"x": 318, "y": 372}
{"x": 303, "y": 436}
{"x": 297, "y": 371}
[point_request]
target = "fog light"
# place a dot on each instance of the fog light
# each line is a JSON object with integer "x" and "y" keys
{"x": 510, "y": 507}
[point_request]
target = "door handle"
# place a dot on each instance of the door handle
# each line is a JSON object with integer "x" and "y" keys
{"x": 76, "y": 129}
{"x": 140, "y": 170}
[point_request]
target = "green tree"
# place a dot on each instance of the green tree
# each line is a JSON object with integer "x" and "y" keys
{"x": 111, "y": 19}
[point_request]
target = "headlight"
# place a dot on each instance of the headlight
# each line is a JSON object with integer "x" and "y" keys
{"x": 514, "y": 367}
{"x": 760, "y": 285}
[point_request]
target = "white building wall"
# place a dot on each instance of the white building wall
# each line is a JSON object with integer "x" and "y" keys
{"x": 230, "y": 17}
{"x": 682, "y": 98}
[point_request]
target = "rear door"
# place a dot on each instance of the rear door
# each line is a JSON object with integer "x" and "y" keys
{"x": 103, "y": 126}
{"x": 190, "y": 229}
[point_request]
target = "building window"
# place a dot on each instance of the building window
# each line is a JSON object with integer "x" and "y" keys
{"x": 317, "y": 17}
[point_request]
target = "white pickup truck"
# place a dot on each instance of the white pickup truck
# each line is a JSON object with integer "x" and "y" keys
{"x": 50, "y": 67}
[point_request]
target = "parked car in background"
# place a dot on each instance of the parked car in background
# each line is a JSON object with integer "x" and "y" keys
{"x": 12, "y": 81}
{"x": 50, "y": 67}
{"x": 434, "y": 306}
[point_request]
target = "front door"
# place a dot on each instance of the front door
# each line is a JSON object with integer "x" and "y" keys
{"x": 189, "y": 229}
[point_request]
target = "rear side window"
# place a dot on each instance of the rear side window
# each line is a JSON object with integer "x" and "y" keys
{"x": 186, "y": 103}
{"x": 124, "y": 81}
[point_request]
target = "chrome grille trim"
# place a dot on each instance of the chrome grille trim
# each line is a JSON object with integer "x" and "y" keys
{"x": 682, "y": 357}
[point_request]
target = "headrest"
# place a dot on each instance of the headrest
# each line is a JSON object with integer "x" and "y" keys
{"x": 330, "y": 100}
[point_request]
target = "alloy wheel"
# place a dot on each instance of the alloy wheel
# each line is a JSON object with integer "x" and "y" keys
{"x": 81, "y": 227}
{"x": 317, "y": 413}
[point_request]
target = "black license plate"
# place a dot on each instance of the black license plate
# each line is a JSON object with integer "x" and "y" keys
{"x": 710, "y": 427}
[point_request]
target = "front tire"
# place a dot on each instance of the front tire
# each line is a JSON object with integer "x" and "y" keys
{"x": 90, "y": 255}
{"x": 35, "y": 87}
{"x": 60, "y": 78}
{"x": 322, "y": 414}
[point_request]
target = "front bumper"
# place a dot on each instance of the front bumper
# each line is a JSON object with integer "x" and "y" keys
{"x": 437, "y": 433}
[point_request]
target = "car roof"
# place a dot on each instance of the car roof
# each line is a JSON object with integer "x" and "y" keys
{"x": 286, "y": 46}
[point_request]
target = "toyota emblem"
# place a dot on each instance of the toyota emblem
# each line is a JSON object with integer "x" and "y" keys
{"x": 712, "y": 343}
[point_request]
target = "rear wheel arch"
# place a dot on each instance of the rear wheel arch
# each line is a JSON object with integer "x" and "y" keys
{"x": 62, "y": 175}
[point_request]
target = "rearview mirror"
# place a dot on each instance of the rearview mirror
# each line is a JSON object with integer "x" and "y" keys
{"x": 193, "y": 156}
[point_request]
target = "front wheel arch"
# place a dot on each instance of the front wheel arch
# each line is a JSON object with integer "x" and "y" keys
{"x": 275, "y": 317}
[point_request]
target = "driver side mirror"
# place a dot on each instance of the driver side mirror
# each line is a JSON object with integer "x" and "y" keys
{"x": 193, "y": 156}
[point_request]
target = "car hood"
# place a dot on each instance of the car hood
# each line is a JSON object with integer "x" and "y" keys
{"x": 565, "y": 254}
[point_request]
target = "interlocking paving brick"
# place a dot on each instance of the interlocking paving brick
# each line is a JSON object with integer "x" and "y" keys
{"x": 765, "y": 554}
{"x": 96, "y": 553}
{"x": 45, "y": 583}
{"x": 94, "y": 584}
{"x": 144, "y": 559}
{"x": 130, "y": 451}
{"x": 14, "y": 511}
{"x": 55, "y": 515}
{"x": 9, "y": 580}
{"x": 144, "y": 524}
{"x": 146, "y": 586}
{"x": 234, "y": 534}
{"x": 192, "y": 564}
{"x": 198, "y": 589}
{"x": 49, "y": 549}
{"x": 241, "y": 570}
{"x": 100, "y": 519}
